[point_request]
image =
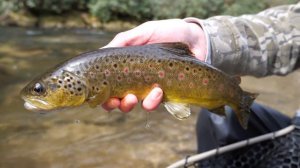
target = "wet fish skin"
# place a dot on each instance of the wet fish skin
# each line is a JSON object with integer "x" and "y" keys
{"x": 95, "y": 76}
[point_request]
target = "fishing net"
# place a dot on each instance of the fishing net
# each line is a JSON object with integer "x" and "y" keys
{"x": 280, "y": 152}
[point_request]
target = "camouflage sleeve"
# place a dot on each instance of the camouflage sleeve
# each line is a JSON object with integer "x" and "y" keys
{"x": 259, "y": 45}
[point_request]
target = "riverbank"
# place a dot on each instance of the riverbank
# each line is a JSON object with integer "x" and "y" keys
{"x": 70, "y": 20}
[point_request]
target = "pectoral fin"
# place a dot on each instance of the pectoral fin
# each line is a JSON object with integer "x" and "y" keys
{"x": 178, "y": 110}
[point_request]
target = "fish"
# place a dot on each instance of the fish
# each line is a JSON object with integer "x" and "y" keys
{"x": 94, "y": 77}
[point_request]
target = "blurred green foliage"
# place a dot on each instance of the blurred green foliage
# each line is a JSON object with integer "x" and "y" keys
{"x": 137, "y": 10}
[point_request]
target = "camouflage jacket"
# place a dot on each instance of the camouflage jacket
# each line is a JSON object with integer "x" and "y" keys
{"x": 259, "y": 45}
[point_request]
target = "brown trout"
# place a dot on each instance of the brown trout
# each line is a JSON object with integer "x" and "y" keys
{"x": 95, "y": 76}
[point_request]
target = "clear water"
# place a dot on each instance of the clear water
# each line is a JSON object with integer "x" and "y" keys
{"x": 84, "y": 137}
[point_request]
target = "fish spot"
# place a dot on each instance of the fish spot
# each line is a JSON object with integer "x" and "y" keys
{"x": 107, "y": 72}
{"x": 147, "y": 78}
{"x": 137, "y": 73}
{"x": 171, "y": 64}
{"x": 161, "y": 74}
{"x": 58, "y": 86}
{"x": 205, "y": 81}
{"x": 97, "y": 67}
{"x": 194, "y": 71}
{"x": 60, "y": 81}
{"x": 68, "y": 80}
{"x": 181, "y": 76}
{"x": 93, "y": 87}
{"x": 69, "y": 85}
{"x": 104, "y": 83}
{"x": 119, "y": 78}
{"x": 78, "y": 82}
{"x": 115, "y": 65}
{"x": 191, "y": 85}
{"x": 131, "y": 60}
{"x": 71, "y": 77}
{"x": 126, "y": 70}
{"x": 71, "y": 92}
{"x": 187, "y": 69}
{"x": 150, "y": 66}
{"x": 78, "y": 72}
{"x": 65, "y": 86}
{"x": 124, "y": 61}
{"x": 79, "y": 89}
{"x": 159, "y": 61}
{"x": 92, "y": 74}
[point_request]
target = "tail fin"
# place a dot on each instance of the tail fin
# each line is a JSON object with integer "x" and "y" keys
{"x": 243, "y": 110}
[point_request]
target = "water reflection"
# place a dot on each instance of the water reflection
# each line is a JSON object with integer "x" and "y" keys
{"x": 84, "y": 137}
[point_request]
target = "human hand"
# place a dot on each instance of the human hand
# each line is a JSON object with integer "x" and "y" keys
{"x": 172, "y": 30}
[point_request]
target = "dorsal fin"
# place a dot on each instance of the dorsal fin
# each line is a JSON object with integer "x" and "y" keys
{"x": 178, "y": 48}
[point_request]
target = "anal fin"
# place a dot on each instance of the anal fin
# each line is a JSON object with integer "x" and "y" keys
{"x": 178, "y": 110}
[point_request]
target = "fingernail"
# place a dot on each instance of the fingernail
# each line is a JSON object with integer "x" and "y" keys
{"x": 156, "y": 94}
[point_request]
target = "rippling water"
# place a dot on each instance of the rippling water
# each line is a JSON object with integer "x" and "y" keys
{"x": 84, "y": 137}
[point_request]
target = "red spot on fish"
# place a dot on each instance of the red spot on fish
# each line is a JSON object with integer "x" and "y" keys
{"x": 181, "y": 76}
{"x": 137, "y": 73}
{"x": 107, "y": 72}
{"x": 205, "y": 81}
{"x": 161, "y": 74}
{"x": 126, "y": 70}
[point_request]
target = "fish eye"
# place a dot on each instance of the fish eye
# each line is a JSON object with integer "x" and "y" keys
{"x": 38, "y": 88}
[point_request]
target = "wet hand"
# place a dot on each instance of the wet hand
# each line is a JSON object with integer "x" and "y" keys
{"x": 172, "y": 30}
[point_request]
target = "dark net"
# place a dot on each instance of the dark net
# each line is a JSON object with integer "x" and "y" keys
{"x": 281, "y": 152}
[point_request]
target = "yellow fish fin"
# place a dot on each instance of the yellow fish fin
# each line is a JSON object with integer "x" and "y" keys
{"x": 178, "y": 110}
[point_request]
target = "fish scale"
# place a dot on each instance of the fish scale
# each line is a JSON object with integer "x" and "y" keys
{"x": 116, "y": 72}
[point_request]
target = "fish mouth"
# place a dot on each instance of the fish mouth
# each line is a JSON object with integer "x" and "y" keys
{"x": 35, "y": 104}
{"x": 31, "y": 107}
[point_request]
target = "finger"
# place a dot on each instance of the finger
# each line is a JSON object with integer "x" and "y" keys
{"x": 111, "y": 104}
{"x": 128, "y": 103}
{"x": 137, "y": 36}
{"x": 154, "y": 98}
